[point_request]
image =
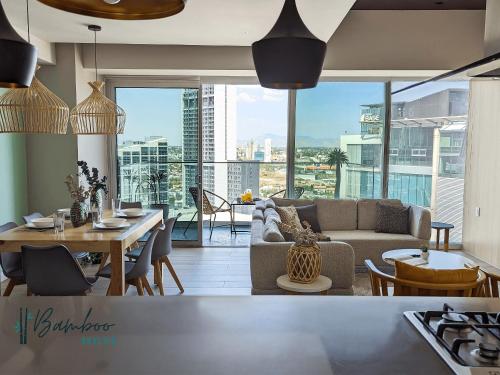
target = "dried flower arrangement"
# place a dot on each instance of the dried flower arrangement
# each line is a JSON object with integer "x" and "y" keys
{"x": 301, "y": 236}
{"x": 77, "y": 191}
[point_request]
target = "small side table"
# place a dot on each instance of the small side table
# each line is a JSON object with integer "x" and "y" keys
{"x": 438, "y": 226}
{"x": 321, "y": 285}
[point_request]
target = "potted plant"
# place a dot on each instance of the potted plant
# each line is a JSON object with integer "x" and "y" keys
{"x": 79, "y": 209}
{"x": 425, "y": 252}
{"x": 96, "y": 186}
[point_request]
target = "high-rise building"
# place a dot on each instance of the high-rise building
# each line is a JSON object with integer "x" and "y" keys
{"x": 218, "y": 115}
{"x": 250, "y": 149}
{"x": 242, "y": 176}
{"x": 268, "y": 156}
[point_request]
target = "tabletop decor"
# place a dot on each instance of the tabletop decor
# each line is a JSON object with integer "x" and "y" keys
{"x": 425, "y": 252}
{"x": 96, "y": 186}
{"x": 79, "y": 209}
{"x": 304, "y": 256}
{"x": 247, "y": 196}
{"x": 97, "y": 114}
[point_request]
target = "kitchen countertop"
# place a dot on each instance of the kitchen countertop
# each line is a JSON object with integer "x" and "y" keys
{"x": 221, "y": 335}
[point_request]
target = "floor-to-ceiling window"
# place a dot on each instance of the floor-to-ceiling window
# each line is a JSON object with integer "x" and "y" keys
{"x": 339, "y": 140}
{"x": 427, "y": 148}
{"x": 158, "y": 152}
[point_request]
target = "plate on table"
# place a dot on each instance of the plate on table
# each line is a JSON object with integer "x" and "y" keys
{"x": 33, "y": 226}
{"x": 102, "y": 226}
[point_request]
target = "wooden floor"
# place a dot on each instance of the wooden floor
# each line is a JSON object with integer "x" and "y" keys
{"x": 214, "y": 271}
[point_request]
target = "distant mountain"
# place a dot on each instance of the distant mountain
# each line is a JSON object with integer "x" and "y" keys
{"x": 302, "y": 141}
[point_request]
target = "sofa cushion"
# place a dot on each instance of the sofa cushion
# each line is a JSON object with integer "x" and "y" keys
{"x": 270, "y": 203}
{"x": 271, "y": 214}
{"x": 272, "y": 233}
{"x": 260, "y": 205}
{"x": 337, "y": 214}
{"x": 288, "y": 216}
{"x": 426, "y": 275}
{"x": 285, "y": 202}
{"x": 392, "y": 219}
{"x": 309, "y": 214}
{"x": 367, "y": 214}
{"x": 258, "y": 215}
{"x": 368, "y": 244}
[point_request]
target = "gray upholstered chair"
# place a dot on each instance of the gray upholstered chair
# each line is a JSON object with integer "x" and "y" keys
{"x": 52, "y": 271}
{"x": 11, "y": 264}
{"x": 35, "y": 215}
{"x": 136, "y": 272}
{"x": 162, "y": 247}
{"x": 125, "y": 205}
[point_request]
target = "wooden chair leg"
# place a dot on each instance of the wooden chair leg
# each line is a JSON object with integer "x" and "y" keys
{"x": 145, "y": 282}
{"x": 109, "y": 290}
{"x": 172, "y": 272}
{"x": 9, "y": 288}
{"x": 104, "y": 259}
{"x": 158, "y": 271}
{"x": 139, "y": 287}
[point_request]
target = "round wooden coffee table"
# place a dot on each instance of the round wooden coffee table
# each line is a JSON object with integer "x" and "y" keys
{"x": 438, "y": 260}
{"x": 321, "y": 285}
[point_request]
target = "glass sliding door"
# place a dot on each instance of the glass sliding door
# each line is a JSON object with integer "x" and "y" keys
{"x": 157, "y": 156}
{"x": 339, "y": 140}
{"x": 428, "y": 149}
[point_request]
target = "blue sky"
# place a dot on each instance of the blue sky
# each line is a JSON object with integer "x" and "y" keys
{"x": 327, "y": 111}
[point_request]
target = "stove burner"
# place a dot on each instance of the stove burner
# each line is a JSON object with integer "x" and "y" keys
{"x": 489, "y": 351}
{"x": 451, "y": 317}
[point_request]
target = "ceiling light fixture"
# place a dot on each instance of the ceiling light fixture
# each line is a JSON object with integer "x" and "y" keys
{"x": 290, "y": 56}
{"x": 97, "y": 114}
{"x": 18, "y": 57}
{"x": 120, "y": 9}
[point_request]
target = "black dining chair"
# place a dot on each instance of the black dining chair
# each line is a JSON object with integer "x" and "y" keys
{"x": 136, "y": 272}
{"x": 162, "y": 247}
{"x": 53, "y": 271}
{"x": 35, "y": 215}
{"x": 125, "y": 205}
{"x": 11, "y": 265}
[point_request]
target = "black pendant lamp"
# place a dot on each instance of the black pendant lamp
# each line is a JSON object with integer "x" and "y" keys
{"x": 17, "y": 57}
{"x": 290, "y": 56}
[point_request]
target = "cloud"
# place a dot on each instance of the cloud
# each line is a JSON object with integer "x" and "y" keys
{"x": 274, "y": 95}
{"x": 245, "y": 97}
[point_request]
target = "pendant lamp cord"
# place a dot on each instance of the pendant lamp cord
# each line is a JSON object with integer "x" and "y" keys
{"x": 95, "y": 53}
{"x": 28, "y": 19}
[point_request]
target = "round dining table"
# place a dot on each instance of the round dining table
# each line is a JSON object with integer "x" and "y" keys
{"x": 437, "y": 260}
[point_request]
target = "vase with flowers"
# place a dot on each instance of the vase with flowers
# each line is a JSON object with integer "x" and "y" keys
{"x": 79, "y": 209}
{"x": 97, "y": 186}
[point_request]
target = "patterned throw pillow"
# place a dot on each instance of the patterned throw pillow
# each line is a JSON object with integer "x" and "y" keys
{"x": 289, "y": 216}
{"x": 392, "y": 219}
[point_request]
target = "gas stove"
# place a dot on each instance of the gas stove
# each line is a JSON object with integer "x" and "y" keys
{"x": 468, "y": 341}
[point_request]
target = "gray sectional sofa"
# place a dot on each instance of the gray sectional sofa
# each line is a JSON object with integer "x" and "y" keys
{"x": 351, "y": 226}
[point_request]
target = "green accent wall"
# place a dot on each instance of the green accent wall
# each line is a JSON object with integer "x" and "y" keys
{"x": 13, "y": 193}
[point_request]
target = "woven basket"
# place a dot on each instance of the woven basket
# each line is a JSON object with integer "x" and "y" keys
{"x": 304, "y": 263}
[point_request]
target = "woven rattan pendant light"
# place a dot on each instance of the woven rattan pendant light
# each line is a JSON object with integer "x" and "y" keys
{"x": 97, "y": 114}
{"x": 35, "y": 109}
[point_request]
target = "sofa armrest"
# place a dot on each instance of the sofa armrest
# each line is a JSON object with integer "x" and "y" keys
{"x": 420, "y": 222}
{"x": 268, "y": 262}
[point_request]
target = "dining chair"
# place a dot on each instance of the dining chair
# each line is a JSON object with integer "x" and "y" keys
{"x": 125, "y": 205}
{"x": 491, "y": 284}
{"x": 136, "y": 272}
{"x": 162, "y": 247}
{"x": 53, "y": 271}
{"x": 11, "y": 264}
{"x": 380, "y": 282}
{"x": 35, "y": 215}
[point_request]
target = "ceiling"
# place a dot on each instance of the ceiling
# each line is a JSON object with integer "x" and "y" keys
{"x": 419, "y": 4}
{"x": 203, "y": 22}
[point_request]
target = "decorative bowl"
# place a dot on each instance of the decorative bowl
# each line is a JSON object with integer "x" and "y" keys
{"x": 131, "y": 212}
{"x": 44, "y": 222}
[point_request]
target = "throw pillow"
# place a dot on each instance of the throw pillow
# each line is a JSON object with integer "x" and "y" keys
{"x": 309, "y": 214}
{"x": 258, "y": 215}
{"x": 272, "y": 233}
{"x": 426, "y": 275}
{"x": 289, "y": 216}
{"x": 392, "y": 219}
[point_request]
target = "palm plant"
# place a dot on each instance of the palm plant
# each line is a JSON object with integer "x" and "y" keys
{"x": 337, "y": 158}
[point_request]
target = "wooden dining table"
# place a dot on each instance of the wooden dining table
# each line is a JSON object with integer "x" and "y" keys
{"x": 88, "y": 239}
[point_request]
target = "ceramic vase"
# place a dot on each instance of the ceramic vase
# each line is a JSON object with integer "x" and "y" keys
{"x": 78, "y": 213}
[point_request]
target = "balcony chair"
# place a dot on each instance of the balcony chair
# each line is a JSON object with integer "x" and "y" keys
{"x": 53, "y": 271}
{"x": 11, "y": 265}
{"x": 136, "y": 272}
{"x": 210, "y": 209}
{"x": 297, "y": 193}
{"x": 162, "y": 247}
{"x": 380, "y": 280}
